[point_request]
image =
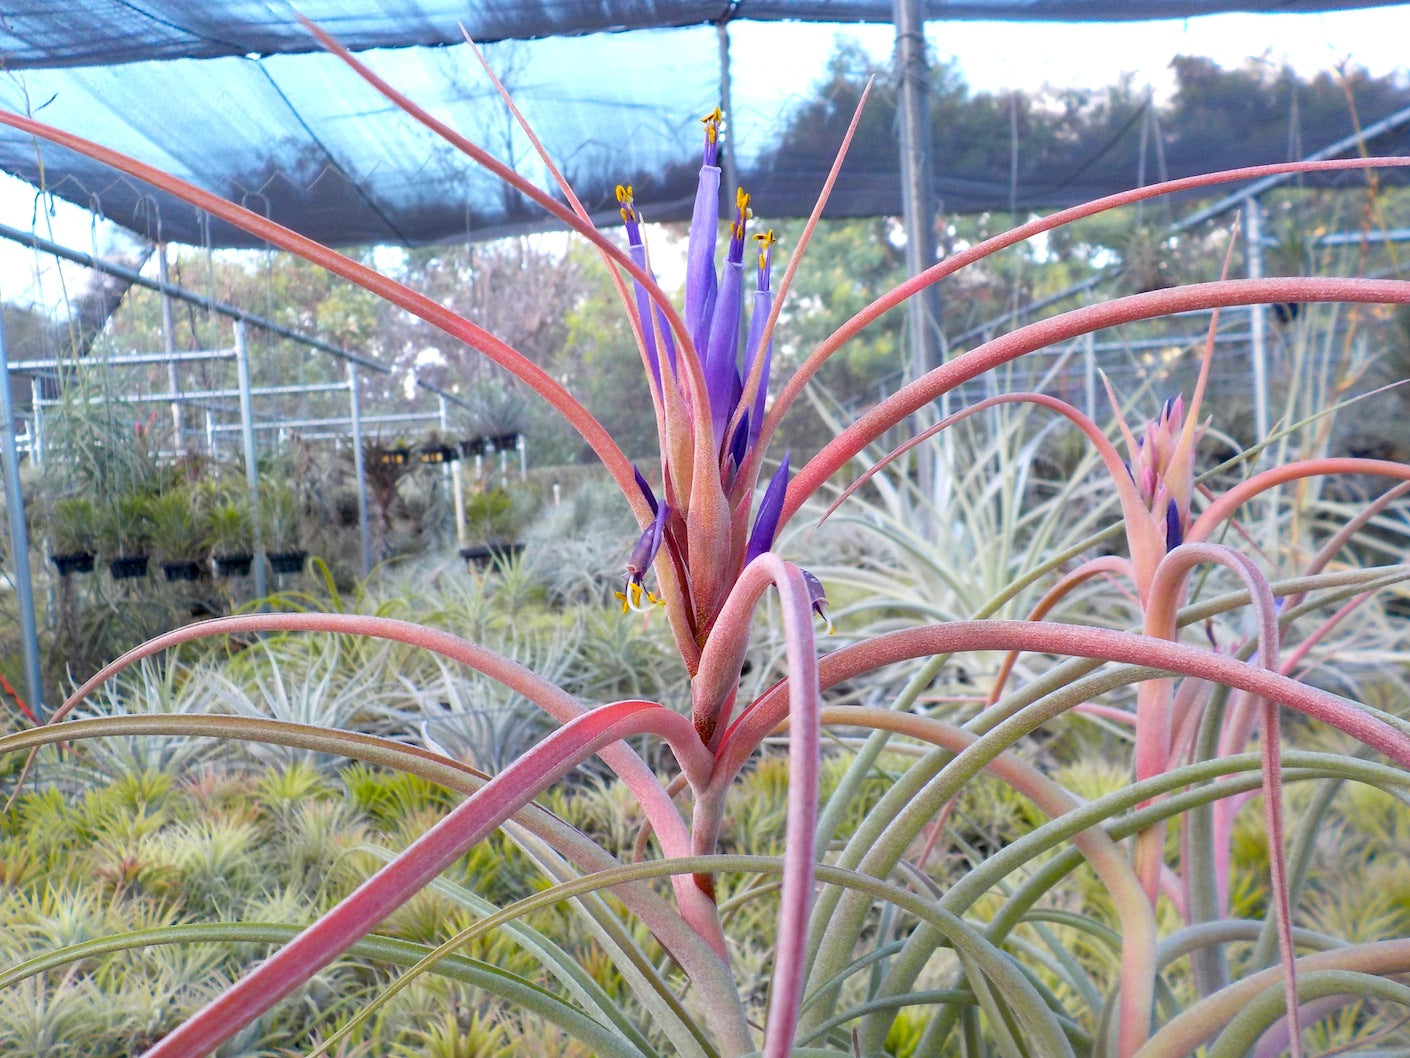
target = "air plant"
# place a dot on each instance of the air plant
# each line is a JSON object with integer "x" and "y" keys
{"x": 705, "y": 558}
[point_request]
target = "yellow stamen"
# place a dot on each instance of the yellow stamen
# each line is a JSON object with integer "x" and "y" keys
{"x": 765, "y": 240}
{"x": 742, "y": 213}
{"x": 631, "y": 598}
{"x": 624, "y": 196}
{"x": 711, "y": 121}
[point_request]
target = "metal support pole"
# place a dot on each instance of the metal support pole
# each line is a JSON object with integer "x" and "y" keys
{"x": 449, "y": 472}
{"x": 210, "y": 435}
{"x": 19, "y": 539}
{"x": 1258, "y": 361}
{"x": 917, "y": 193}
{"x": 522, "y": 443}
{"x": 457, "y": 496}
{"x": 729, "y": 167}
{"x": 457, "y": 484}
{"x": 918, "y": 208}
{"x": 1258, "y": 341}
{"x": 364, "y": 528}
{"x": 1089, "y": 374}
{"x": 169, "y": 343}
{"x": 36, "y": 428}
{"x": 247, "y": 436}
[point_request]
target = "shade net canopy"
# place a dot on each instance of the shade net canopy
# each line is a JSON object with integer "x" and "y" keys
{"x": 237, "y": 98}
{"x": 107, "y": 32}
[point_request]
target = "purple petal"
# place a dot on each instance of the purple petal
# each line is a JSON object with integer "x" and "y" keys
{"x": 817, "y": 597}
{"x": 645, "y": 489}
{"x": 649, "y": 543}
{"x": 722, "y": 353}
{"x": 739, "y": 443}
{"x": 770, "y": 508}
{"x": 700, "y": 256}
{"x": 1174, "y": 533}
{"x": 721, "y": 366}
{"x": 763, "y": 305}
{"x": 644, "y": 309}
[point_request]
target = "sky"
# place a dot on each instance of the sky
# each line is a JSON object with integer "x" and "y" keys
{"x": 1004, "y": 56}
{"x": 992, "y": 57}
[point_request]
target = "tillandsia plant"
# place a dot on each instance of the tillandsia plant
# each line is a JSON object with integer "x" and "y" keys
{"x": 857, "y": 926}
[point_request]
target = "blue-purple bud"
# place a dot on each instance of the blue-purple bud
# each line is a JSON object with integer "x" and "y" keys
{"x": 1174, "y": 532}
{"x": 817, "y": 598}
{"x": 645, "y": 488}
{"x": 770, "y": 510}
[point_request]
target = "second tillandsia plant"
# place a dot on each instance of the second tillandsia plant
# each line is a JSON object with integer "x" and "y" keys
{"x": 856, "y": 929}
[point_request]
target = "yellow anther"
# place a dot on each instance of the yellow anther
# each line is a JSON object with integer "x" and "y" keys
{"x": 742, "y": 213}
{"x": 624, "y": 196}
{"x": 765, "y": 240}
{"x": 711, "y": 121}
{"x": 632, "y": 598}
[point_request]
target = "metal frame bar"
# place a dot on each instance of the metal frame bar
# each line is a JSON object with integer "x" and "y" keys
{"x": 247, "y": 437}
{"x": 136, "y": 278}
{"x": 122, "y": 360}
{"x": 19, "y": 540}
{"x": 296, "y": 424}
{"x": 187, "y": 396}
{"x": 364, "y": 526}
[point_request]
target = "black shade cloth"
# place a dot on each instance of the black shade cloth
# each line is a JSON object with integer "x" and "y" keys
{"x": 233, "y": 97}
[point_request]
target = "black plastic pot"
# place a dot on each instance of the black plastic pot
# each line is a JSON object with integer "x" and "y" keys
{"x": 436, "y": 453}
{"x": 485, "y": 554}
{"x": 182, "y": 570}
{"x": 287, "y": 561}
{"x": 504, "y": 442}
{"x": 473, "y": 446}
{"x": 128, "y": 567}
{"x": 393, "y": 456}
{"x": 74, "y": 562}
{"x": 233, "y": 565}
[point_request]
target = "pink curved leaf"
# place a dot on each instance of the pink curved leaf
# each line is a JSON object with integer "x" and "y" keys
{"x": 474, "y": 818}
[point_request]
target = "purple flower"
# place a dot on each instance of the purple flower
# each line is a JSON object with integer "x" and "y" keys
{"x": 652, "y": 323}
{"x": 722, "y": 354}
{"x": 701, "y": 375}
{"x": 700, "y": 252}
{"x": 817, "y": 598}
{"x": 770, "y": 507}
{"x": 759, "y": 318}
{"x": 644, "y": 553}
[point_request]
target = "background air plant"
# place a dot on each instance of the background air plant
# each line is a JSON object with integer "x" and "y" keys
{"x": 858, "y": 926}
